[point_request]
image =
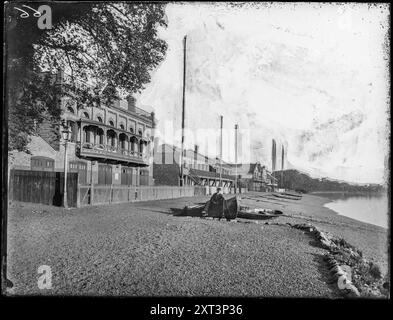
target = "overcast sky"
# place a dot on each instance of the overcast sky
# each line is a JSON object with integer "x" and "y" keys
{"x": 314, "y": 77}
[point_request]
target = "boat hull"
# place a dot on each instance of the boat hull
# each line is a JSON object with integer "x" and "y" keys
{"x": 228, "y": 210}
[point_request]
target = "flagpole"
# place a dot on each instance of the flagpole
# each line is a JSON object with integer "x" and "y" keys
{"x": 183, "y": 112}
{"x": 236, "y": 127}
{"x": 221, "y": 120}
{"x": 282, "y": 166}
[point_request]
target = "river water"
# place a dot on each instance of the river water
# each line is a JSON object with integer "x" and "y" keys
{"x": 370, "y": 208}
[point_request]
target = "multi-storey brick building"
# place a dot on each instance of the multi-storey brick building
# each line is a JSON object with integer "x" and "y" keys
{"x": 198, "y": 169}
{"x": 109, "y": 144}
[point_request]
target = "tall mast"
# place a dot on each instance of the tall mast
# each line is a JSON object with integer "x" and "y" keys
{"x": 282, "y": 166}
{"x": 183, "y": 111}
{"x": 273, "y": 155}
{"x": 221, "y": 120}
{"x": 236, "y": 127}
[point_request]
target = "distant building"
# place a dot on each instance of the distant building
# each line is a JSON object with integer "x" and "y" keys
{"x": 198, "y": 169}
{"x": 255, "y": 177}
{"x": 109, "y": 144}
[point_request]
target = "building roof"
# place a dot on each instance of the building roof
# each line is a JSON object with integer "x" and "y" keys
{"x": 271, "y": 176}
{"x": 246, "y": 168}
{"x": 188, "y": 151}
{"x": 210, "y": 174}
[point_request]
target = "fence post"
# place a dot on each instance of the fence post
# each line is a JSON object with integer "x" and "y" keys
{"x": 110, "y": 194}
{"x": 78, "y": 195}
{"x": 11, "y": 185}
{"x": 91, "y": 194}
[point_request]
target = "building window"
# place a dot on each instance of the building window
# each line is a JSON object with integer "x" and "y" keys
{"x": 99, "y": 119}
{"x": 42, "y": 163}
{"x": 122, "y": 126}
{"x": 81, "y": 168}
{"x": 140, "y": 132}
{"x": 86, "y": 115}
{"x": 132, "y": 130}
{"x": 111, "y": 123}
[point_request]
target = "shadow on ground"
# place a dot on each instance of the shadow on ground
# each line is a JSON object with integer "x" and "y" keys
{"x": 180, "y": 212}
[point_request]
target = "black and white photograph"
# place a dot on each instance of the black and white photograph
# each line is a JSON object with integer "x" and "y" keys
{"x": 196, "y": 149}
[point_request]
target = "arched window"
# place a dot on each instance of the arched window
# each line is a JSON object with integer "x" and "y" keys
{"x": 132, "y": 130}
{"x": 99, "y": 119}
{"x": 87, "y": 132}
{"x": 134, "y": 144}
{"x": 122, "y": 126}
{"x": 111, "y": 138}
{"x": 86, "y": 115}
{"x": 100, "y": 134}
{"x": 140, "y": 132}
{"x": 123, "y": 141}
{"x": 70, "y": 110}
{"x": 111, "y": 123}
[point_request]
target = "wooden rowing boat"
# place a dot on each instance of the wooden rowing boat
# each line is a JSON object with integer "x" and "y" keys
{"x": 228, "y": 209}
{"x": 287, "y": 196}
{"x": 232, "y": 208}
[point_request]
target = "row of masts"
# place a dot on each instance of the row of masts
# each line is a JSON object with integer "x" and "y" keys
{"x": 181, "y": 182}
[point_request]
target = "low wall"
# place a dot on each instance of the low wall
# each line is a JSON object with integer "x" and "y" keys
{"x": 105, "y": 194}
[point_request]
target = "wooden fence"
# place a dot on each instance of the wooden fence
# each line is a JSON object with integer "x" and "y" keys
{"x": 43, "y": 187}
{"x": 105, "y": 194}
{"x": 47, "y": 188}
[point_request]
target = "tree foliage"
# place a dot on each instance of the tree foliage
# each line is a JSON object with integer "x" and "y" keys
{"x": 107, "y": 50}
{"x": 295, "y": 180}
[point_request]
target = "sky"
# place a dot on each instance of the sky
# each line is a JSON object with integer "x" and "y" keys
{"x": 314, "y": 77}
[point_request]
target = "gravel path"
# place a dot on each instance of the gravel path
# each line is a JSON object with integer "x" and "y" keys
{"x": 143, "y": 249}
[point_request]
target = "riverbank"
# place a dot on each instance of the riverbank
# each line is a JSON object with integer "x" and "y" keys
{"x": 372, "y": 240}
{"x": 146, "y": 249}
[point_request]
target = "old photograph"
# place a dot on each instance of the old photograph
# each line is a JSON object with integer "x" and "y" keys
{"x": 196, "y": 149}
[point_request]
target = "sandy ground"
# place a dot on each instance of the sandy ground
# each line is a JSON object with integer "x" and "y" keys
{"x": 145, "y": 249}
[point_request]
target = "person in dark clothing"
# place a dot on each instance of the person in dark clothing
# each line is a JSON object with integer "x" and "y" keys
{"x": 217, "y": 200}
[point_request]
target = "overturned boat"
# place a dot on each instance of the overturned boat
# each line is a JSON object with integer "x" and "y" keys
{"x": 288, "y": 196}
{"x": 227, "y": 209}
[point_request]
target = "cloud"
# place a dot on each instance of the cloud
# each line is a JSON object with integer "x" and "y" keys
{"x": 313, "y": 77}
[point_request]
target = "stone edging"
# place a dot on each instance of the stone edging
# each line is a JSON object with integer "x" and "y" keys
{"x": 343, "y": 274}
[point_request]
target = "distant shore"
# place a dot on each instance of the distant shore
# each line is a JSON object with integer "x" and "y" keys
{"x": 349, "y": 192}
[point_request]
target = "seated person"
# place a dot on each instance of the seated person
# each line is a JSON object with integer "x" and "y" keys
{"x": 217, "y": 200}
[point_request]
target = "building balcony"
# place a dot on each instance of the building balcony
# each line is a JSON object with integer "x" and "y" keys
{"x": 108, "y": 152}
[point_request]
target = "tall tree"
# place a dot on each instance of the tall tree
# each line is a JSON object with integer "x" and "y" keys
{"x": 113, "y": 47}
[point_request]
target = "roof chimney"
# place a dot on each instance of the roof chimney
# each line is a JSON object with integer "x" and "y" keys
{"x": 131, "y": 103}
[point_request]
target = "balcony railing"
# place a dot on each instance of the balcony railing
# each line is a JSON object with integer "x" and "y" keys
{"x": 111, "y": 152}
